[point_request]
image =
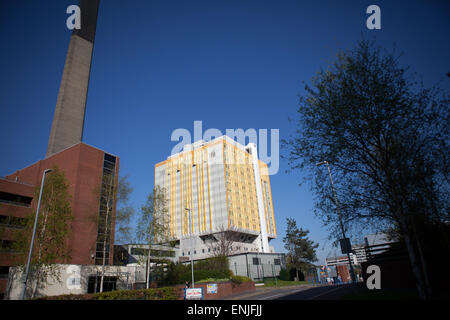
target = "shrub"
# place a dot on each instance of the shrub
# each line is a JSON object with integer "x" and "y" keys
{"x": 143, "y": 294}
{"x": 213, "y": 280}
{"x": 211, "y": 268}
{"x": 285, "y": 275}
{"x": 239, "y": 279}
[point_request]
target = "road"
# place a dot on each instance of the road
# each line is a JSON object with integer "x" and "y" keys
{"x": 325, "y": 292}
{"x": 299, "y": 292}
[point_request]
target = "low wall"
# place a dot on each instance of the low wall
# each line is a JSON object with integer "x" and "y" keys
{"x": 224, "y": 289}
{"x": 3, "y": 283}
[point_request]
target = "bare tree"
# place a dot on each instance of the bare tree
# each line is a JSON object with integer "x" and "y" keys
{"x": 221, "y": 242}
{"x": 107, "y": 195}
{"x": 114, "y": 208}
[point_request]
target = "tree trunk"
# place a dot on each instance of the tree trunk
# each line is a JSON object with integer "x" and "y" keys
{"x": 104, "y": 258}
{"x": 109, "y": 208}
{"x": 422, "y": 260}
{"x": 414, "y": 262}
{"x": 12, "y": 276}
{"x": 148, "y": 270}
{"x": 35, "y": 288}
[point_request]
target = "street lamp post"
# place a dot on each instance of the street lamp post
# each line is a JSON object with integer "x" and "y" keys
{"x": 34, "y": 233}
{"x": 352, "y": 274}
{"x": 192, "y": 251}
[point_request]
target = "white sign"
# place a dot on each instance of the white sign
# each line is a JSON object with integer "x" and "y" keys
{"x": 194, "y": 294}
{"x": 211, "y": 288}
{"x": 73, "y": 281}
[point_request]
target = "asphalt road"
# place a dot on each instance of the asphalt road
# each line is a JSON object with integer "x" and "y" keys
{"x": 324, "y": 292}
{"x": 304, "y": 292}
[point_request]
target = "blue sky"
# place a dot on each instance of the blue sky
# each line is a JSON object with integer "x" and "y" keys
{"x": 160, "y": 65}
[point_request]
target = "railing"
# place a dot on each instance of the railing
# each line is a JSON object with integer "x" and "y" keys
{"x": 11, "y": 226}
{"x": 385, "y": 251}
{"x": 15, "y": 203}
{"x": 16, "y": 181}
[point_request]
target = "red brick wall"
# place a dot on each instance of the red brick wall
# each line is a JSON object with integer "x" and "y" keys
{"x": 224, "y": 289}
{"x": 11, "y": 186}
{"x": 82, "y": 166}
{"x": 343, "y": 271}
{"x": 3, "y": 283}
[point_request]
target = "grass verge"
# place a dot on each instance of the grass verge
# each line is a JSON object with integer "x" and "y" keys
{"x": 282, "y": 283}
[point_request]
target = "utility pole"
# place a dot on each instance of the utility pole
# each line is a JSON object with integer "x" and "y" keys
{"x": 192, "y": 249}
{"x": 34, "y": 233}
{"x": 352, "y": 274}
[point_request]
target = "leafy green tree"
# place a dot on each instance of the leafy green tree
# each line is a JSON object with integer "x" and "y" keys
{"x": 386, "y": 138}
{"x": 153, "y": 224}
{"x": 301, "y": 250}
{"x": 52, "y": 231}
{"x": 124, "y": 212}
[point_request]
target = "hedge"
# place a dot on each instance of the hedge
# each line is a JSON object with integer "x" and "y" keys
{"x": 211, "y": 268}
{"x": 234, "y": 279}
{"x": 143, "y": 294}
{"x": 239, "y": 279}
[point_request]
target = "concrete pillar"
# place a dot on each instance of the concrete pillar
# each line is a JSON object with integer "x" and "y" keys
{"x": 68, "y": 118}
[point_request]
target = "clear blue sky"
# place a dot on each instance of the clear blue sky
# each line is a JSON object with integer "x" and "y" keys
{"x": 160, "y": 65}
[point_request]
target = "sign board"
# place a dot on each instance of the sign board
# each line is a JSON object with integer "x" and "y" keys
{"x": 211, "y": 288}
{"x": 346, "y": 247}
{"x": 332, "y": 271}
{"x": 193, "y": 294}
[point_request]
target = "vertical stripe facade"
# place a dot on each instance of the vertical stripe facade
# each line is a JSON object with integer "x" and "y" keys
{"x": 211, "y": 187}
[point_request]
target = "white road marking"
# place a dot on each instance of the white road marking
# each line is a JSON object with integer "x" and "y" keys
{"x": 321, "y": 294}
{"x": 283, "y": 294}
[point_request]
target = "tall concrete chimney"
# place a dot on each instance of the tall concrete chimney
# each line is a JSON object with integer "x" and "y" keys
{"x": 68, "y": 119}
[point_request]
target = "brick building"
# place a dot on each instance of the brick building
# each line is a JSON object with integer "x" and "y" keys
{"x": 83, "y": 166}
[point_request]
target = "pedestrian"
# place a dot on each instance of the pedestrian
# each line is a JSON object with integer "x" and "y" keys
{"x": 187, "y": 284}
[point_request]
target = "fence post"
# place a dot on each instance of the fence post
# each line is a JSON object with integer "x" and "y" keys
{"x": 246, "y": 262}
{"x": 257, "y": 270}
{"x": 95, "y": 283}
{"x": 273, "y": 274}
{"x": 262, "y": 268}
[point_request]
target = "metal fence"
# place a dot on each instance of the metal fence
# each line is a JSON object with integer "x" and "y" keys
{"x": 135, "y": 276}
{"x": 256, "y": 271}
